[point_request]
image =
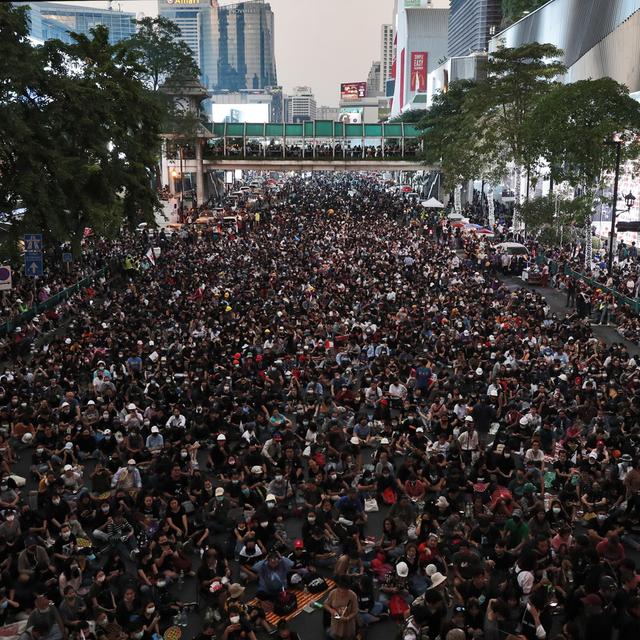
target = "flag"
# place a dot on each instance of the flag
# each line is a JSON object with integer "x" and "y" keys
{"x": 150, "y": 256}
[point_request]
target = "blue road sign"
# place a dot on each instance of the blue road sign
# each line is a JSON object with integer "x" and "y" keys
{"x": 33, "y": 265}
{"x": 33, "y": 242}
{"x": 67, "y": 257}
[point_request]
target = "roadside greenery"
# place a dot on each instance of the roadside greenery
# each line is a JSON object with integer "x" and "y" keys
{"x": 81, "y": 124}
{"x": 522, "y": 119}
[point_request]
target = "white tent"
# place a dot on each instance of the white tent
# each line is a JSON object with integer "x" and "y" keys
{"x": 432, "y": 203}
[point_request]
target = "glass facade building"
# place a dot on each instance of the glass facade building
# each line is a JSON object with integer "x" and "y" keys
{"x": 471, "y": 25}
{"x": 233, "y": 44}
{"x": 51, "y": 20}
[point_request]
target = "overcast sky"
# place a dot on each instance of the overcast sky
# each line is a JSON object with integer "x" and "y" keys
{"x": 319, "y": 43}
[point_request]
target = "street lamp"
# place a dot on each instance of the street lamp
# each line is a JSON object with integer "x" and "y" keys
{"x": 617, "y": 141}
{"x": 629, "y": 199}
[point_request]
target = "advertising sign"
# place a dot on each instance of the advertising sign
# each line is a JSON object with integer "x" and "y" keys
{"x": 353, "y": 90}
{"x": 253, "y": 112}
{"x": 419, "y": 71}
{"x": 351, "y": 115}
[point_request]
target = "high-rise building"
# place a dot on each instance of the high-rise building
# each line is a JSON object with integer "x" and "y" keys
{"x": 387, "y": 33}
{"x": 50, "y": 20}
{"x": 472, "y": 23}
{"x": 421, "y": 32}
{"x": 301, "y": 105}
{"x": 327, "y": 113}
{"x": 233, "y": 44}
{"x": 373, "y": 80}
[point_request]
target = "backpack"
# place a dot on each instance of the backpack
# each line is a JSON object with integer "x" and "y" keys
{"x": 389, "y": 496}
{"x": 285, "y": 603}
{"x": 397, "y": 606}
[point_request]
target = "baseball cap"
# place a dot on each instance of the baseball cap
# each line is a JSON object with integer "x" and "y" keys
{"x": 221, "y": 437}
{"x": 155, "y": 430}
{"x": 131, "y": 406}
{"x": 468, "y": 419}
{"x": 219, "y": 491}
{"x": 592, "y": 599}
{"x": 131, "y": 461}
{"x": 68, "y": 467}
{"x": 298, "y": 544}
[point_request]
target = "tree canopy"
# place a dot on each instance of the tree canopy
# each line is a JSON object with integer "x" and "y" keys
{"x": 80, "y": 126}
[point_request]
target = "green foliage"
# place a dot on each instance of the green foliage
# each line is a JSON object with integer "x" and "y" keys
{"x": 551, "y": 216}
{"x": 413, "y": 116}
{"x": 450, "y": 128}
{"x": 166, "y": 60}
{"x": 517, "y": 79}
{"x": 79, "y": 132}
{"x": 570, "y": 124}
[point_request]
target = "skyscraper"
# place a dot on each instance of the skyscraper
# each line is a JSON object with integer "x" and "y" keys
{"x": 472, "y": 23}
{"x": 387, "y": 33}
{"x": 233, "y": 44}
{"x": 373, "y": 80}
{"x": 51, "y": 20}
{"x": 301, "y": 105}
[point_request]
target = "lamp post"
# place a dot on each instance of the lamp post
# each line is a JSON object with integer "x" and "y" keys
{"x": 618, "y": 144}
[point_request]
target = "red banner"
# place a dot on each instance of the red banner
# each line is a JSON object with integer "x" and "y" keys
{"x": 419, "y": 71}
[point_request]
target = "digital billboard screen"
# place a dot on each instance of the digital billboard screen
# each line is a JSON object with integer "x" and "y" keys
{"x": 353, "y": 90}
{"x": 240, "y": 112}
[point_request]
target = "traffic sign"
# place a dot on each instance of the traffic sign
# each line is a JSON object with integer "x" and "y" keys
{"x": 67, "y": 257}
{"x": 5, "y": 278}
{"x": 33, "y": 242}
{"x": 33, "y": 265}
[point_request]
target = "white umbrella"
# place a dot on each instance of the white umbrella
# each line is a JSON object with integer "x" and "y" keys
{"x": 455, "y": 216}
{"x": 432, "y": 203}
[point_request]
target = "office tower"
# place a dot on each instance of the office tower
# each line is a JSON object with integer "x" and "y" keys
{"x": 233, "y": 44}
{"x": 301, "y": 105}
{"x": 373, "y": 80}
{"x": 471, "y": 24}
{"x": 421, "y": 43}
{"x": 50, "y": 20}
{"x": 387, "y": 33}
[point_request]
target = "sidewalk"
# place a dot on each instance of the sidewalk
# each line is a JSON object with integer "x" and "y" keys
{"x": 557, "y": 302}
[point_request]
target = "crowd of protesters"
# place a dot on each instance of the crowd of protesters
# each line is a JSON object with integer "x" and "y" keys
{"x": 332, "y": 392}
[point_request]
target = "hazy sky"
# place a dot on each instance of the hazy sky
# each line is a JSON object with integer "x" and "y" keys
{"x": 319, "y": 43}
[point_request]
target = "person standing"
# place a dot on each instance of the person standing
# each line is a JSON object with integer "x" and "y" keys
{"x": 342, "y": 605}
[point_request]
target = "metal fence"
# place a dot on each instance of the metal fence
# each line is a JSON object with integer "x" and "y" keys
{"x": 51, "y": 302}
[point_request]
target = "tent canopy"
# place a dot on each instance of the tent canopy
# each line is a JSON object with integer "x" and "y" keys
{"x": 432, "y": 203}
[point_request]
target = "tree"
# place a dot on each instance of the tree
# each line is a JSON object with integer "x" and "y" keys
{"x": 94, "y": 136}
{"x": 165, "y": 58}
{"x": 571, "y": 123}
{"x": 517, "y": 79}
{"x": 412, "y": 116}
{"x": 553, "y": 219}
{"x": 18, "y": 68}
{"x": 449, "y": 133}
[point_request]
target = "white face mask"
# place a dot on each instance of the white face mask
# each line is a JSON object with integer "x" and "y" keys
{"x": 557, "y": 510}
{"x": 151, "y": 610}
{"x": 234, "y": 619}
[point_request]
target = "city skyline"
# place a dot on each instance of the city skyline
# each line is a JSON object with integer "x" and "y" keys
{"x": 313, "y": 40}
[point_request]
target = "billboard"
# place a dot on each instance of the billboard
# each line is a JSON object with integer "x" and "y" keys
{"x": 351, "y": 115}
{"x": 353, "y": 90}
{"x": 240, "y": 112}
{"x": 419, "y": 71}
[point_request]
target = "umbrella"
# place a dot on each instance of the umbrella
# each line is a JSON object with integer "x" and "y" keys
{"x": 486, "y": 232}
{"x": 473, "y": 225}
{"x": 204, "y": 220}
{"x": 458, "y": 224}
{"x": 455, "y": 216}
{"x": 432, "y": 203}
